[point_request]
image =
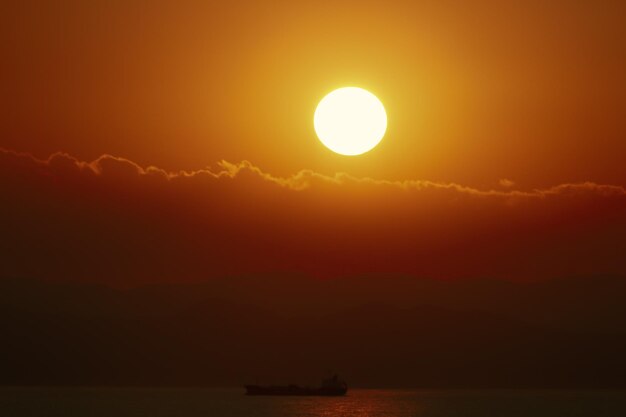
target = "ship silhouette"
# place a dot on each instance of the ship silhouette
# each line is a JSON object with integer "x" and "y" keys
{"x": 332, "y": 386}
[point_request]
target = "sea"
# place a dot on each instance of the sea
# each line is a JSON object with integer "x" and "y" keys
{"x": 196, "y": 402}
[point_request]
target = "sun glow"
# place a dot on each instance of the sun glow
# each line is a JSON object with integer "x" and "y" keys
{"x": 350, "y": 121}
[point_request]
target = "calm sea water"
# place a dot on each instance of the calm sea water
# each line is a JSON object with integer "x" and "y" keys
{"x": 135, "y": 402}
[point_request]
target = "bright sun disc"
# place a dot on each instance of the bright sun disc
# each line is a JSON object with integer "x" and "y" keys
{"x": 350, "y": 121}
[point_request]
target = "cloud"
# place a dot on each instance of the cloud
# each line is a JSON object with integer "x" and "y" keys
{"x": 112, "y": 166}
{"x": 506, "y": 183}
{"x": 113, "y": 220}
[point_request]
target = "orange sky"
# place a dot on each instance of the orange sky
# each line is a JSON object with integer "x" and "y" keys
{"x": 533, "y": 92}
{"x": 504, "y": 154}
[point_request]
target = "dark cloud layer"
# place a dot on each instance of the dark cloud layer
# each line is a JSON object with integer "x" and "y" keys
{"x": 114, "y": 221}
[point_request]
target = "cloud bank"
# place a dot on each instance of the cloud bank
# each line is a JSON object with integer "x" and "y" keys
{"x": 115, "y": 221}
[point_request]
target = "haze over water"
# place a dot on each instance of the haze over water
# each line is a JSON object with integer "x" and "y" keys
{"x": 161, "y": 402}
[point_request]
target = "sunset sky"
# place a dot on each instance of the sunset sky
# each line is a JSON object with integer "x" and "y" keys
{"x": 174, "y": 141}
{"x": 169, "y": 217}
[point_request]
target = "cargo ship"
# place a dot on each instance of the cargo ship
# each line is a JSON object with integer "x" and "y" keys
{"x": 330, "y": 387}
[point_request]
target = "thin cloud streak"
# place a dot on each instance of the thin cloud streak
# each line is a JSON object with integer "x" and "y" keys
{"x": 307, "y": 179}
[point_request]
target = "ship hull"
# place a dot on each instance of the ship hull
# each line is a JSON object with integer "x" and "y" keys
{"x": 294, "y": 390}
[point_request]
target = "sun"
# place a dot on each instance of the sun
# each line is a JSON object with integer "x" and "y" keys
{"x": 350, "y": 121}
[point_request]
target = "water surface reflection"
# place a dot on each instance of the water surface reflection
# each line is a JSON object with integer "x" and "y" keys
{"x": 182, "y": 402}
